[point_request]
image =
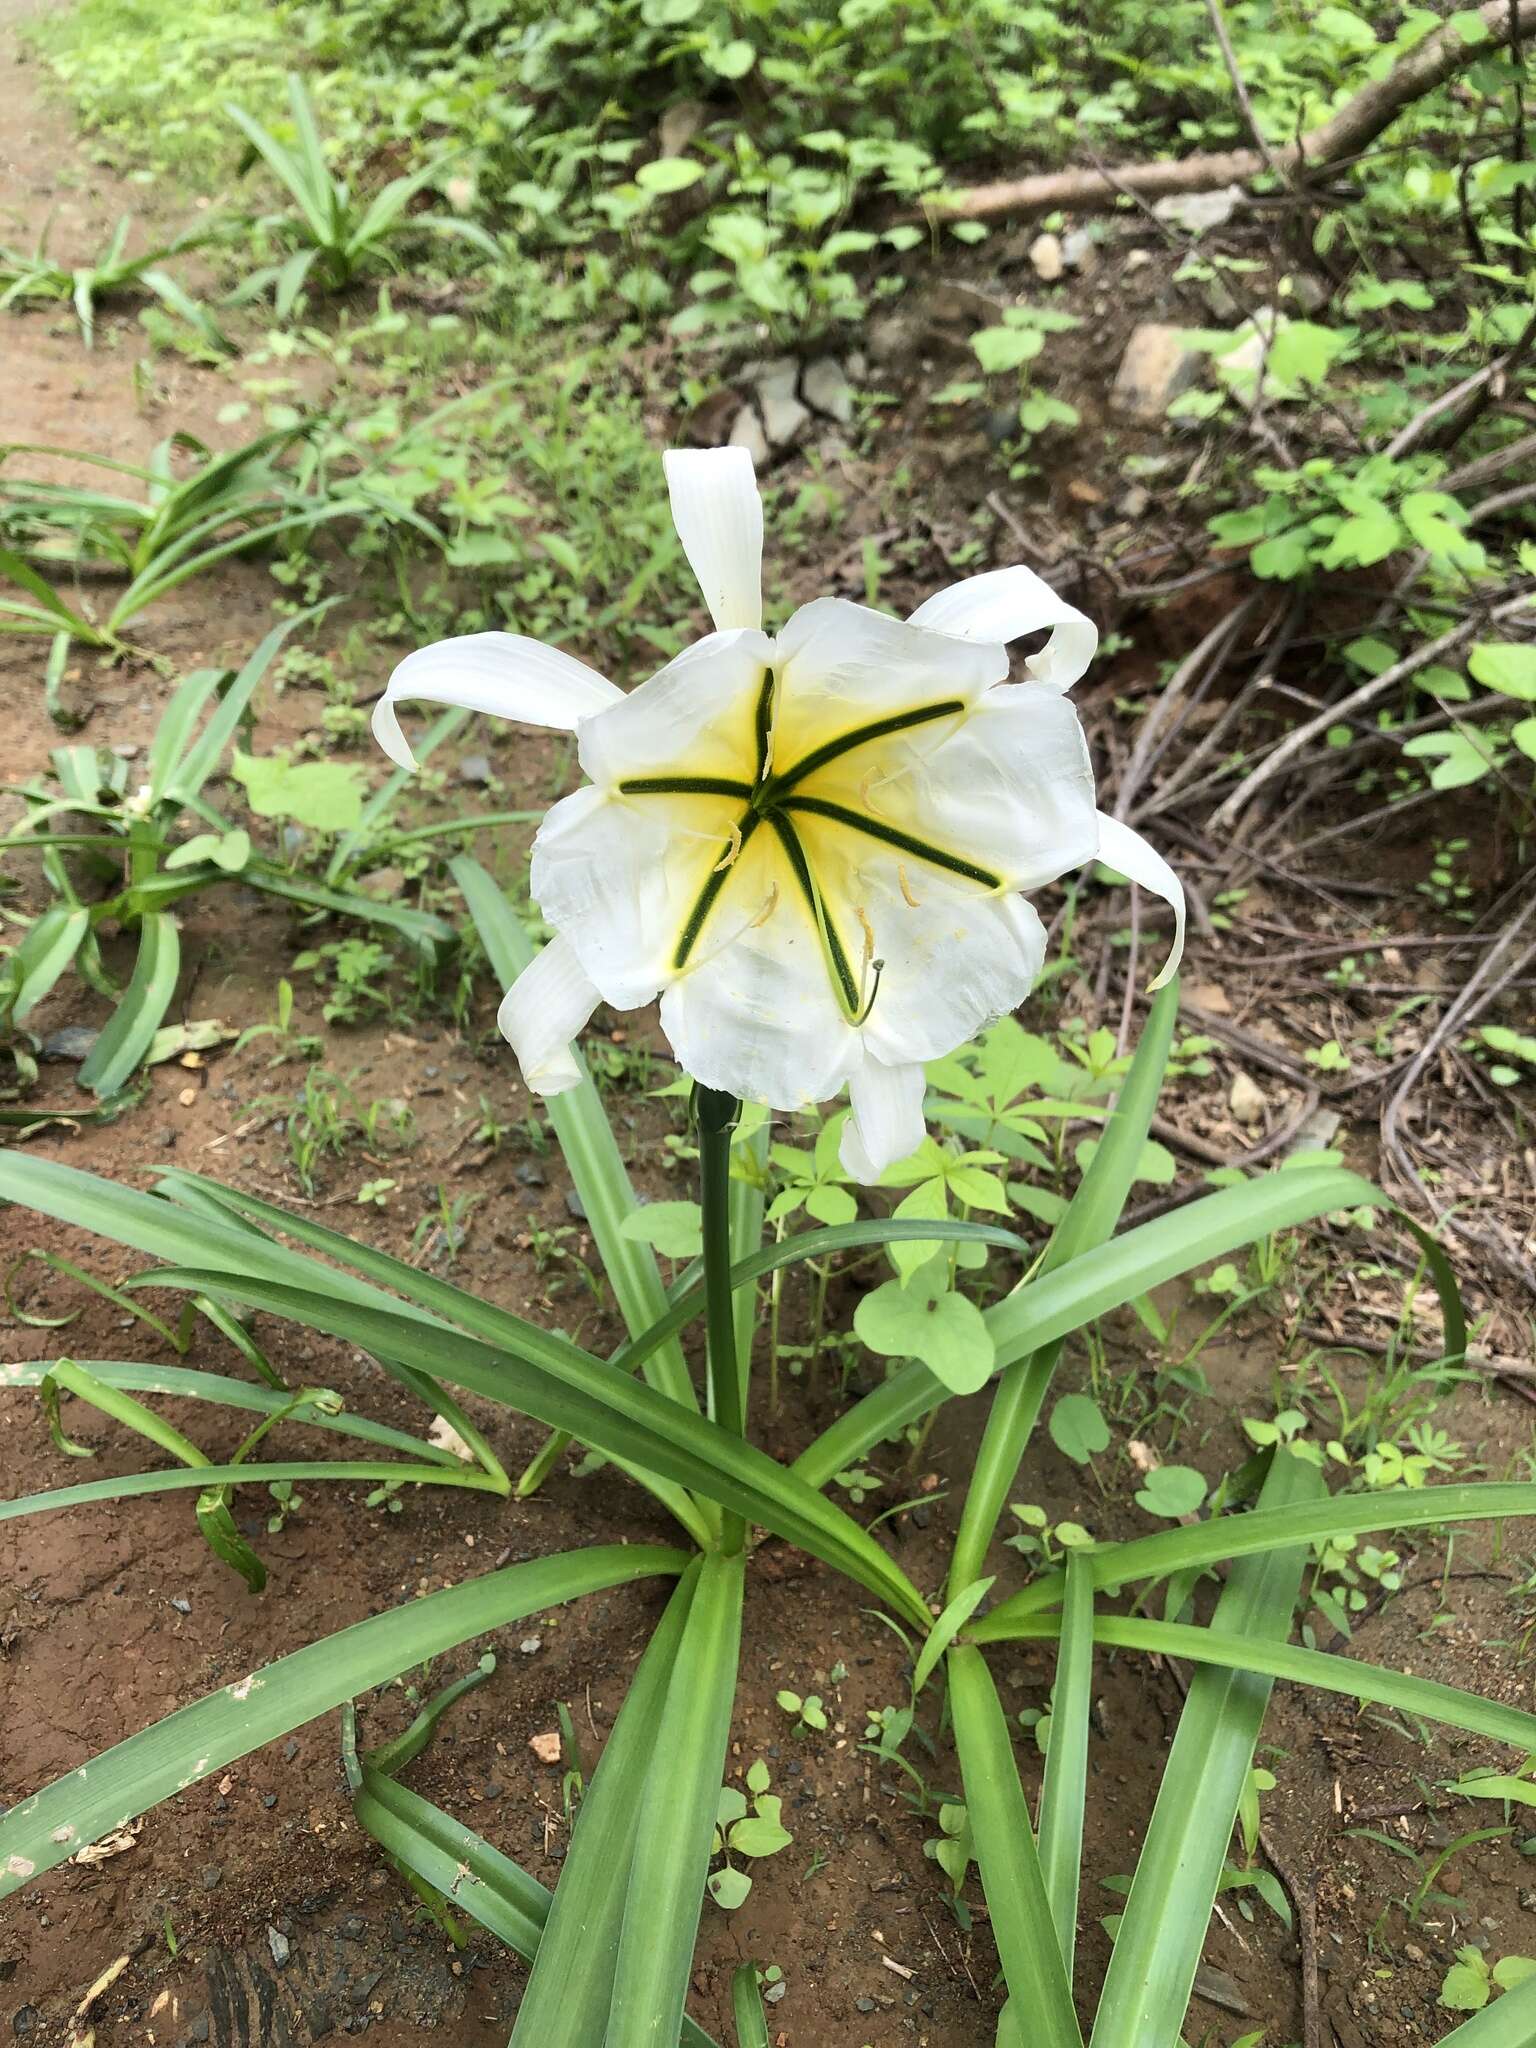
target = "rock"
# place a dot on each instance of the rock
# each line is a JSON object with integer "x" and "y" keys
{"x": 1316, "y": 1132}
{"x": 1155, "y": 369}
{"x": 1217, "y": 1988}
{"x": 826, "y": 389}
{"x": 530, "y": 1646}
{"x": 895, "y": 340}
{"x": 1048, "y": 257}
{"x": 1133, "y": 502}
{"x": 1246, "y": 1099}
{"x": 529, "y": 1176}
{"x": 785, "y": 419}
{"x": 475, "y": 768}
{"x": 546, "y": 1747}
{"x": 182, "y": 1606}
{"x": 382, "y": 883}
{"x": 279, "y": 1945}
{"x": 679, "y": 125}
{"x": 1138, "y": 259}
{"x": 69, "y": 1045}
{"x": 1310, "y": 293}
{"x": 575, "y": 1206}
{"x": 747, "y": 432}
{"x": 211, "y": 1877}
{"x": 1002, "y": 424}
{"x": 1209, "y": 995}
{"x": 1080, "y": 249}
{"x": 25, "y": 2019}
{"x": 778, "y": 378}
{"x": 1198, "y": 212}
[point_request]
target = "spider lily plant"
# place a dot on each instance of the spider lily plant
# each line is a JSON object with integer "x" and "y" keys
{"x": 333, "y": 235}
{"x": 611, "y": 1950}
{"x": 181, "y": 526}
{"x": 38, "y": 278}
{"x": 112, "y": 857}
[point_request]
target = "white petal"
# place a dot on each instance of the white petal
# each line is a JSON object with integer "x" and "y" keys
{"x": 502, "y": 673}
{"x": 1007, "y": 603}
{"x": 542, "y": 1012}
{"x": 841, "y": 665}
{"x": 719, "y": 520}
{"x": 952, "y": 965}
{"x": 1129, "y": 854}
{"x": 886, "y": 1123}
{"x": 697, "y": 716}
{"x": 1010, "y": 788}
{"x": 756, "y": 1017}
{"x": 618, "y": 876}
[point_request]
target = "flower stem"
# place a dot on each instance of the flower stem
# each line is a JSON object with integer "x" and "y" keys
{"x": 716, "y": 1115}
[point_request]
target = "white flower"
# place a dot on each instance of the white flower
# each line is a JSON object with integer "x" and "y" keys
{"x": 814, "y": 848}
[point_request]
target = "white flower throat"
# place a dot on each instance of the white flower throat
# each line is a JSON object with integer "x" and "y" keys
{"x": 777, "y": 816}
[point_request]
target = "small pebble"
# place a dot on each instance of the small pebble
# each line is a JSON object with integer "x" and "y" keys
{"x": 182, "y": 1606}
{"x": 530, "y": 1644}
{"x": 278, "y": 1943}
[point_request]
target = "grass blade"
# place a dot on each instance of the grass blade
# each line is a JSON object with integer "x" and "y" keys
{"x": 133, "y": 1485}
{"x": 1066, "y": 1759}
{"x": 130, "y": 1030}
{"x": 677, "y": 1817}
{"x": 1157, "y": 1951}
{"x": 569, "y": 1992}
{"x": 45, "y": 953}
{"x": 1011, "y": 1877}
{"x": 747, "y": 2009}
{"x": 200, "y": 1739}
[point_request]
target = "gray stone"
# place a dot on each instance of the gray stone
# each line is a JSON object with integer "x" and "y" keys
{"x": 1080, "y": 249}
{"x": 1132, "y": 503}
{"x": 279, "y": 1945}
{"x": 73, "y": 1043}
{"x": 1048, "y": 257}
{"x": 211, "y": 1877}
{"x": 475, "y": 768}
{"x": 1310, "y": 293}
{"x": 826, "y": 389}
{"x": 784, "y": 420}
{"x": 778, "y": 377}
{"x": 575, "y": 1206}
{"x": 679, "y": 125}
{"x": 895, "y": 340}
{"x": 747, "y": 432}
{"x": 1155, "y": 369}
{"x": 1198, "y": 212}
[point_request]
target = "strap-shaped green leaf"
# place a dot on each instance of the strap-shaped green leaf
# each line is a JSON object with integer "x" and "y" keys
{"x": 1065, "y": 1794}
{"x": 1006, "y": 1856}
{"x": 196, "y": 1741}
{"x": 114, "y": 1059}
{"x": 1157, "y": 1950}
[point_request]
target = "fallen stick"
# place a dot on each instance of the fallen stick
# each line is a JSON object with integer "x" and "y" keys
{"x": 1353, "y": 128}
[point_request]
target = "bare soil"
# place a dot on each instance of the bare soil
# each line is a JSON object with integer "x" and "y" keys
{"x": 252, "y": 1909}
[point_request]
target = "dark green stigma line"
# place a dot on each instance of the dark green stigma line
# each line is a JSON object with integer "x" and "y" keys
{"x": 684, "y": 785}
{"x": 846, "y": 980}
{"x": 763, "y": 724}
{"x": 778, "y": 786}
{"x": 904, "y": 842}
{"x": 704, "y": 902}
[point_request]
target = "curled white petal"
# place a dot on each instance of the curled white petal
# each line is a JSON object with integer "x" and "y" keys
{"x": 542, "y": 1012}
{"x": 1004, "y": 604}
{"x": 501, "y": 673}
{"x": 696, "y": 716}
{"x": 719, "y": 519}
{"x": 1129, "y": 854}
{"x": 886, "y": 1121}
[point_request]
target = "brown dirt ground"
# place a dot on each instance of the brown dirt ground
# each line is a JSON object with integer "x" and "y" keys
{"x": 113, "y": 1615}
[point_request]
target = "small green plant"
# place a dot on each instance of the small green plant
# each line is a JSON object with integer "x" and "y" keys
{"x": 746, "y": 1824}
{"x": 808, "y": 1713}
{"x": 38, "y": 278}
{"x": 334, "y": 236}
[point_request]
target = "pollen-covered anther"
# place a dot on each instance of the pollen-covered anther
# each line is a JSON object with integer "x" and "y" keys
{"x": 770, "y": 905}
{"x": 912, "y": 902}
{"x": 732, "y": 853}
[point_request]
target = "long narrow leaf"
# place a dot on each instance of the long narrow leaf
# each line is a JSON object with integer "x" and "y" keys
{"x": 1089, "y": 1222}
{"x": 134, "y": 1485}
{"x": 1196, "y": 1546}
{"x": 569, "y": 1992}
{"x": 591, "y": 1151}
{"x": 1510, "y": 2022}
{"x": 196, "y": 1741}
{"x": 1371, "y": 1683}
{"x": 553, "y": 1381}
{"x": 195, "y": 1385}
{"x": 1041, "y": 1311}
{"x": 114, "y": 1059}
{"x": 1066, "y": 1759}
{"x": 465, "y": 1868}
{"x": 677, "y": 1817}
{"x": 1011, "y": 1876}
{"x": 1162, "y": 1932}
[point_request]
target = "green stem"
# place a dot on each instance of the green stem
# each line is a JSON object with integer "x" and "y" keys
{"x": 716, "y": 1114}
